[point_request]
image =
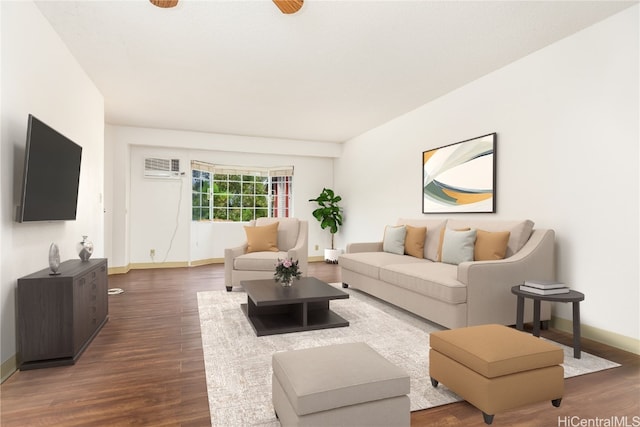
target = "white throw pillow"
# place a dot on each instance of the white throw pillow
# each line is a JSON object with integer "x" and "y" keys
{"x": 458, "y": 246}
{"x": 393, "y": 240}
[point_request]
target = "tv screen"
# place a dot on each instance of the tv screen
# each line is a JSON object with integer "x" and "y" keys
{"x": 51, "y": 175}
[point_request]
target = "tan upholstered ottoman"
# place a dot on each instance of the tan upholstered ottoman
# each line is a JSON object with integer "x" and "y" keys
{"x": 496, "y": 368}
{"x": 339, "y": 385}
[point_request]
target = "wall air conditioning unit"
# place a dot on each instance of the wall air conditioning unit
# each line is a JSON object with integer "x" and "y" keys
{"x": 162, "y": 168}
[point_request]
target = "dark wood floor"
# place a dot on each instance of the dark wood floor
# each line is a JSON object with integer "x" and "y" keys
{"x": 146, "y": 368}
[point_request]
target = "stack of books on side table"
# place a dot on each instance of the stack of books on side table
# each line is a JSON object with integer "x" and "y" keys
{"x": 544, "y": 287}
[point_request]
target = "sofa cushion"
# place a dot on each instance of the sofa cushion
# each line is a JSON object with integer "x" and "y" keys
{"x": 258, "y": 261}
{"x": 393, "y": 241}
{"x": 414, "y": 241}
{"x": 262, "y": 238}
{"x": 458, "y": 246}
{"x": 369, "y": 263}
{"x": 433, "y": 279}
{"x": 491, "y": 245}
{"x": 288, "y": 231}
{"x": 431, "y": 241}
{"x": 520, "y": 230}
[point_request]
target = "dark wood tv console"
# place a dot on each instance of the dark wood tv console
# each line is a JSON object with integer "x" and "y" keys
{"x": 59, "y": 315}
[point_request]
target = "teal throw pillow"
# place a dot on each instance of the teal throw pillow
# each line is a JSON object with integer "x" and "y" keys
{"x": 458, "y": 246}
{"x": 393, "y": 240}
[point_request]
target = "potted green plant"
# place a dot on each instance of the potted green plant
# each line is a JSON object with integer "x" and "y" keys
{"x": 329, "y": 214}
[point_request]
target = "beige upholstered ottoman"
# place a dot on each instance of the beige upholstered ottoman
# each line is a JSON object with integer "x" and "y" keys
{"x": 339, "y": 385}
{"x": 496, "y": 368}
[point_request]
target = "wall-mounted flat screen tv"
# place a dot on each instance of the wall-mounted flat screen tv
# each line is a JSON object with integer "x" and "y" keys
{"x": 51, "y": 175}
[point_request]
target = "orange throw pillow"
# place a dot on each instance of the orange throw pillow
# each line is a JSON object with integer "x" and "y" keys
{"x": 491, "y": 245}
{"x": 414, "y": 241}
{"x": 263, "y": 238}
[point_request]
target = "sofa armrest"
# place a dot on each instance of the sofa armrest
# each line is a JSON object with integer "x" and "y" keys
{"x": 301, "y": 249}
{"x": 229, "y": 255}
{"x": 489, "y": 297}
{"x": 364, "y": 247}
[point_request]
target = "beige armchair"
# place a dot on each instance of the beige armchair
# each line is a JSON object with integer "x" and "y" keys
{"x": 292, "y": 242}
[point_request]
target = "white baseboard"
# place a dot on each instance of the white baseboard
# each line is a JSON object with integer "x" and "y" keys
{"x": 196, "y": 263}
{"x": 207, "y": 261}
{"x": 8, "y": 368}
{"x": 600, "y": 335}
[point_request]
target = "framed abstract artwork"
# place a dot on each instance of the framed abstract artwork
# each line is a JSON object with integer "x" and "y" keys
{"x": 460, "y": 177}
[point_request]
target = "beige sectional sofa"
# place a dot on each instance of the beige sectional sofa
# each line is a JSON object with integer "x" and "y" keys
{"x": 466, "y": 294}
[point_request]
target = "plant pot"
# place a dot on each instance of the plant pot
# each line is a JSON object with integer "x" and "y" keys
{"x": 331, "y": 255}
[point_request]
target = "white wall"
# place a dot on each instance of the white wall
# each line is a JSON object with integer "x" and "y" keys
{"x": 117, "y": 196}
{"x": 567, "y": 124}
{"x": 40, "y": 76}
{"x": 157, "y": 212}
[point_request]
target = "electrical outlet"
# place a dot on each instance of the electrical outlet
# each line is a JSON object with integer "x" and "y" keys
{"x": 317, "y": 247}
{"x": 152, "y": 253}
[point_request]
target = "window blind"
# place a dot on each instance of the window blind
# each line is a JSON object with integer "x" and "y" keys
{"x": 242, "y": 170}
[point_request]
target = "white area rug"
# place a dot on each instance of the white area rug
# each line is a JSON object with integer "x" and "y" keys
{"x": 238, "y": 364}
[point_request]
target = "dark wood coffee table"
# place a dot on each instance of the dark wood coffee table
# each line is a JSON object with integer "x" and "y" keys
{"x": 274, "y": 309}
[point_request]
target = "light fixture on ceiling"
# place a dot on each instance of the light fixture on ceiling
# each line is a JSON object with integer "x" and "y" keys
{"x": 165, "y": 4}
{"x": 289, "y": 6}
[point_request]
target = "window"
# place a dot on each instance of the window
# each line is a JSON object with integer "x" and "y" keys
{"x": 232, "y": 193}
{"x": 281, "y": 196}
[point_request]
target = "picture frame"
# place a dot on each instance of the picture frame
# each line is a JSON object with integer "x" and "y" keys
{"x": 460, "y": 177}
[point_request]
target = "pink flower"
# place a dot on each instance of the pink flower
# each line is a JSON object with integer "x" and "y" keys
{"x": 286, "y": 269}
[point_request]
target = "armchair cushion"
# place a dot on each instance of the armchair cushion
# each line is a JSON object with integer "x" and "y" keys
{"x": 262, "y": 238}
{"x": 288, "y": 231}
{"x": 258, "y": 261}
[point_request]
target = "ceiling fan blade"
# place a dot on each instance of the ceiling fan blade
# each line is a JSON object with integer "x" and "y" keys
{"x": 164, "y": 3}
{"x": 289, "y": 6}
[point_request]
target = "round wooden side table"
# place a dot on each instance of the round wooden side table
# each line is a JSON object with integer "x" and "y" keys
{"x": 572, "y": 296}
